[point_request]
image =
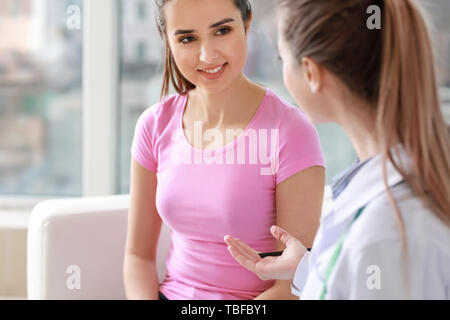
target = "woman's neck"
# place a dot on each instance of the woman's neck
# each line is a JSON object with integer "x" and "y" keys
{"x": 223, "y": 108}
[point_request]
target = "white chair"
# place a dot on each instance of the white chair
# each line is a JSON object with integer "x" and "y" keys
{"x": 75, "y": 248}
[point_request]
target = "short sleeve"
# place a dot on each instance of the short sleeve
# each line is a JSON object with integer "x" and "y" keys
{"x": 142, "y": 147}
{"x": 299, "y": 145}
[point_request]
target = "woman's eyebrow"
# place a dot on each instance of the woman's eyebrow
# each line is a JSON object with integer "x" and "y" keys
{"x": 226, "y": 20}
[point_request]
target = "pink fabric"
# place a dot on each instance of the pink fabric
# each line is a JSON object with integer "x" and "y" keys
{"x": 223, "y": 193}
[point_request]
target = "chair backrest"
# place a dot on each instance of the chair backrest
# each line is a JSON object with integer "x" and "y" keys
{"x": 75, "y": 248}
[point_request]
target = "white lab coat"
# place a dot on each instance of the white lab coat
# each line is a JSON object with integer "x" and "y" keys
{"x": 370, "y": 265}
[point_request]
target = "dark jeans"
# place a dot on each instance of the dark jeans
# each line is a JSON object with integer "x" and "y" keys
{"x": 162, "y": 297}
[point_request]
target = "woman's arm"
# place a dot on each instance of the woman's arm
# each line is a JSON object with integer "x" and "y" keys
{"x": 299, "y": 205}
{"x": 144, "y": 225}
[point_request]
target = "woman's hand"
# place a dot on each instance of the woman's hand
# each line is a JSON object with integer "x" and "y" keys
{"x": 281, "y": 268}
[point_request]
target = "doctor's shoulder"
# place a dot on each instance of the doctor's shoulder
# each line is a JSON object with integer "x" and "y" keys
{"x": 374, "y": 261}
{"x": 379, "y": 221}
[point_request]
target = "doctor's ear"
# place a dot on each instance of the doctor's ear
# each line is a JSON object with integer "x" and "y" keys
{"x": 312, "y": 73}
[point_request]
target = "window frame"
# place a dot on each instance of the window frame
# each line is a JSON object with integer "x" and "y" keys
{"x": 100, "y": 97}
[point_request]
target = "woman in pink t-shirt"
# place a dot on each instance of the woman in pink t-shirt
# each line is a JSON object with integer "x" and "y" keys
{"x": 221, "y": 156}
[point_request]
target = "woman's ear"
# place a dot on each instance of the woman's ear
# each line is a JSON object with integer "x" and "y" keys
{"x": 313, "y": 74}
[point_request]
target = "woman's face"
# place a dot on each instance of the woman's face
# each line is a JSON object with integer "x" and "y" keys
{"x": 208, "y": 41}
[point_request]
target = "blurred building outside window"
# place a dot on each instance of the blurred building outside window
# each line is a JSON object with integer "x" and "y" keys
{"x": 40, "y": 99}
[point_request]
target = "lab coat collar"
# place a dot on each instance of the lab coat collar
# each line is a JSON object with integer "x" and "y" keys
{"x": 367, "y": 184}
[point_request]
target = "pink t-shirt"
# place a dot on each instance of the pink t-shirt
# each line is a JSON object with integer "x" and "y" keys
{"x": 203, "y": 195}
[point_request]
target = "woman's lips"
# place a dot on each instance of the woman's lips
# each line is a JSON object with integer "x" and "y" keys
{"x": 216, "y": 75}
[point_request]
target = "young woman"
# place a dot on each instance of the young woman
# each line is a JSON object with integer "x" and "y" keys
{"x": 203, "y": 182}
{"x": 388, "y": 234}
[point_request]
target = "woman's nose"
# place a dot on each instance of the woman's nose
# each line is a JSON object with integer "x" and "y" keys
{"x": 208, "y": 53}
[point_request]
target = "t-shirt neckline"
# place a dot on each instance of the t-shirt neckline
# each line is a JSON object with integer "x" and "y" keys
{"x": 184, "y": 99}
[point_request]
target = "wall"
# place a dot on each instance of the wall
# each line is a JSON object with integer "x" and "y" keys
{"x": 13, "y": 244}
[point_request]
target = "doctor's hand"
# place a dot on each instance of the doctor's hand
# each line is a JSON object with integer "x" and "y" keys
{"x": 281, "y": 267}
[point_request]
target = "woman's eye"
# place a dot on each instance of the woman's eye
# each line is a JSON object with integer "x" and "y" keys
{"x": 223, "y": 31}
{"x": 189, "y": 39}
{"x": 186, "y": 39}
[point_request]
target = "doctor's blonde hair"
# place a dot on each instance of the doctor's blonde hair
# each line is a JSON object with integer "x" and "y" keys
{"x": 393, "y": 70}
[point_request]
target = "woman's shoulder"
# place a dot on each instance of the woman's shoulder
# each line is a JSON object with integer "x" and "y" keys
{"x": 278, "y": 103}
{"x": 160, "y": 119}
{"x": 285, "y": 113}
{"x": 163, "y": 111}
{"x": 165, "y": 107}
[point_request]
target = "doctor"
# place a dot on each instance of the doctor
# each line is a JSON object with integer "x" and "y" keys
{"x": 387, "y": 235}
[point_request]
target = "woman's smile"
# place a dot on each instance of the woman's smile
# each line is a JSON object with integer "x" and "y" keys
{"x": 213, "y": 73}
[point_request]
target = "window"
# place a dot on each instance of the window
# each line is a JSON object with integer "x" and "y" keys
{"x": 140, "y": 76}
{"x": 142, "y": 10}
{"x": 141, "y": 51}
{"x": 14, "y": 8}
{"x": 41, "y": 72}
{"x": 438, "y": 16}
{"x": 40, "y": 99}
